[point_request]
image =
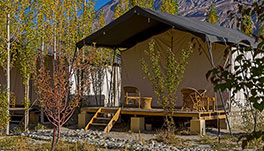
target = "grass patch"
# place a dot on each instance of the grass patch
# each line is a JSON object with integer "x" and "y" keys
{"x": 226, "y": 143}
{"x": 28, "y": 144}
{"x": 171, "y": 139}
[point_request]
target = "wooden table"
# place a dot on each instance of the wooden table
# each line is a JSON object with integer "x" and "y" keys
{"x": 146, "y": 102}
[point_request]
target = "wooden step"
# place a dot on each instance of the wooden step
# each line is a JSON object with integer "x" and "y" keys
{"x": 113, "y": 121}
{"x": 103, "y": 114}
{"x": 16, "y": 109}
{"x": 15, "y": 122}
{"x": 17, "y": 115}
{"x": 92, "y": 120}
{"x": 98, "y": 120}
{"x": 103, "y": 118}
{"x": 98, "y": 124}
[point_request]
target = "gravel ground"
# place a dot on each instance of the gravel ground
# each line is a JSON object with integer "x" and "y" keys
{"x": 113, "y": 140}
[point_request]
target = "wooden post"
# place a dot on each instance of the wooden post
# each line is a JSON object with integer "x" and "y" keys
{"x": 208, "y": 104}
{"x": 213, "y": 99}
{"x": 137, "y": 124}
{"x": 83, "y": 119}
{"x": 197, "y": 126}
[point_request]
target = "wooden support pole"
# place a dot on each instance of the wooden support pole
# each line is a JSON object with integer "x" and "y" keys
{"x": 209, "y": 45}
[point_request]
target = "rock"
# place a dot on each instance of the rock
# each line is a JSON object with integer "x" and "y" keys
{"x": 96, "y": 138}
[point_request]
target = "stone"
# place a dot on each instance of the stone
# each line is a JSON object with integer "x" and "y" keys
{"x": 83, "y": 136}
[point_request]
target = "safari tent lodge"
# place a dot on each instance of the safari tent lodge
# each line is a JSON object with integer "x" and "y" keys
{"x": 131, "y": 34}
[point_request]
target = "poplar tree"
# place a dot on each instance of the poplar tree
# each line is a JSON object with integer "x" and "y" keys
{"x": 247, "y": 25}
{"x": 26, "y": 53}
{"x": 170, "y": 7}
{"x": 122, "y": 7}
{"x": 87, "y": 18}
{"x": 62, "y": 24}
{"x": 261, "y": 31}
{"x": 142, "y": 3}
{"x": 28, "y": 26}
{"x": 10, "y": 31}
{"x": 165, "y": 83}
{"x": 212, "y": 16}
{"x": 22, "y": 45}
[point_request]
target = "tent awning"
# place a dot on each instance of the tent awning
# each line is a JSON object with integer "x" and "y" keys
{"x": 139, "y": 24}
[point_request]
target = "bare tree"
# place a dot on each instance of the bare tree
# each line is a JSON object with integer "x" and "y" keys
{"x": 54, "y": 91}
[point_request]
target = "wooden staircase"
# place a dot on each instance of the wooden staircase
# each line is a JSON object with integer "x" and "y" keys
{"x": 104, "y": 119}
{"x": 17, "y": 116}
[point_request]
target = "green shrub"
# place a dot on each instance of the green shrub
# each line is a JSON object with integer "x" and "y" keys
{"x": 4, "y": 119}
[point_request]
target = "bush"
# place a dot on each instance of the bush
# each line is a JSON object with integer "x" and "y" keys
{"x": 4, "y": 119}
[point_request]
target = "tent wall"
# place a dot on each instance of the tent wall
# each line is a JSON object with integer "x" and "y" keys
{"x": 198, "y": 63}
{"x": 16, "y": 84}
{"x": 108, "y": 98}
{"x": 108, "y": 89}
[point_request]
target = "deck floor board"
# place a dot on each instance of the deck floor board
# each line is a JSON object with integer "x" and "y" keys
{"x": 211, "y": 115}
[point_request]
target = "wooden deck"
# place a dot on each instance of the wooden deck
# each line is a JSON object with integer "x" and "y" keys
{"x": 211, "y": 115}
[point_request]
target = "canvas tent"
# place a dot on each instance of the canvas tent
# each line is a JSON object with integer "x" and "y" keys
{"x": 16, "y": 85}
{"x": 103, "y": 95}
{"x": 137, "y": 27}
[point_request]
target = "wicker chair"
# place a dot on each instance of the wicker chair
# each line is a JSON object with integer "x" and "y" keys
{"x": 131, "y": 94}
{"x": 193, "y": 99}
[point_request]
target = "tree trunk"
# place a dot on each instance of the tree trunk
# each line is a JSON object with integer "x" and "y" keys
{"x": 114, "y": 86}
{"x": 254, "y": 115}
{"x": 8, "y": 70}
{"x": 27, "y": 101}
{"x": 41, "y": 110}
{"x": 255, "y": 121}
{"x": 94, "y": 78}
{"x": 167, "y": 125}
{"x": 55, "y": 46}
{"x": 59, "y": 133}
{"x": 53, "y": 139}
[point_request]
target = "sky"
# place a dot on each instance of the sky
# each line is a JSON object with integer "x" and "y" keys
{"x": 100, "y": 3}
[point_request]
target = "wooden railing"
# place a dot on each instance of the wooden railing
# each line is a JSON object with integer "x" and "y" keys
{"x": 113, "y": 120}
{"x": 91, "y": 121}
